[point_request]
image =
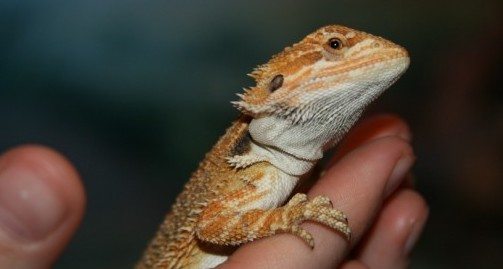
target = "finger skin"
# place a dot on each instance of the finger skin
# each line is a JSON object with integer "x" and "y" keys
{"x": 398, "y": 226}
{"x": 356, "y": 186}
{"x": 53, "y": 172}
{"x": 372, "y": 128}
{"x": 354, "y": 264}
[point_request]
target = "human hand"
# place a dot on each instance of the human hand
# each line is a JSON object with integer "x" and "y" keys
{"x": 42, "y": 202}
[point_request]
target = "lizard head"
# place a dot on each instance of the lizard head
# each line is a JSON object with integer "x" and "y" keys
{"x": 309, "y": 95}
{"x": 315, "y": 77}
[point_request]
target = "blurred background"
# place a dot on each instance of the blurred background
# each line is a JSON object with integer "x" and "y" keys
{"x": 135, "y": 92}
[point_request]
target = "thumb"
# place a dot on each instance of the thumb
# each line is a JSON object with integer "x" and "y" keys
{"x": 41, "y": 204}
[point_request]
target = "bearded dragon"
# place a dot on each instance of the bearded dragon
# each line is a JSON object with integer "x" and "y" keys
{"x": 305, "y": 99}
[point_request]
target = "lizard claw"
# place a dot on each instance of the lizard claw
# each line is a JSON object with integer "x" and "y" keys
{"x": 322, "y": 200}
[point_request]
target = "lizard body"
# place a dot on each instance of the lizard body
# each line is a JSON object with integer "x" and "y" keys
{"x": 306, "y": 98}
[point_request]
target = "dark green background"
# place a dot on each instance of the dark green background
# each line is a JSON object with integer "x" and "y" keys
{"x": 135, "y": 92}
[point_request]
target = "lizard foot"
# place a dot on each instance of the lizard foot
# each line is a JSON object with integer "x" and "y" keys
{"x": 318, "y": 209}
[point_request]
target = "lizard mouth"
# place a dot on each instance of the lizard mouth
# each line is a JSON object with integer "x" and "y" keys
{"x": 358, "y": 74}
{"x": 352, "y": 79}
{"x": 349, "y": 88}
{"x": 392, "y": 60}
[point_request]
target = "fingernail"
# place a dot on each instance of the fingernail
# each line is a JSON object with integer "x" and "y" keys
{"x": 400, "y": 170}
{"x": 29, "y": 208}
{"x": 415, "y": 232}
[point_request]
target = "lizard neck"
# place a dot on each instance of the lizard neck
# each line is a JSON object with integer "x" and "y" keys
{"x": 295, "y": 148}
{"x": 282, "y": 160}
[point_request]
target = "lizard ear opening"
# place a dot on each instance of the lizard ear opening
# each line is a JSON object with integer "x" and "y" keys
{"x": 276, "y": 83}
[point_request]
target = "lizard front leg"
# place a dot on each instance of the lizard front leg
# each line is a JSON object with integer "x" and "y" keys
{"x": 221, "y": 223}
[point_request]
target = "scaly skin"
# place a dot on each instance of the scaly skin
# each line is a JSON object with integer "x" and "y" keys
{"x": 306, "y": 98}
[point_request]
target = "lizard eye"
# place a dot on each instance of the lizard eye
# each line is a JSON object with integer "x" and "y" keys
{"x": 276, "y": 83}
{"x": 335, "y": 43}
